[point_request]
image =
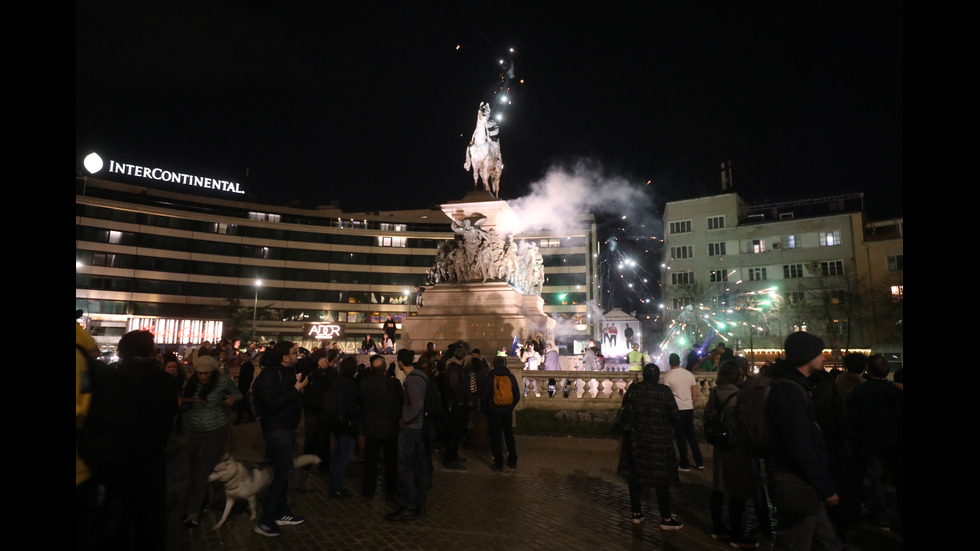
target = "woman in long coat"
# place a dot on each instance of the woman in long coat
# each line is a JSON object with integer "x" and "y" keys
{"x": 647, "y": 458}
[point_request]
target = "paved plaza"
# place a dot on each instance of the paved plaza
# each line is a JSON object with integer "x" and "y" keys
{"x": 564, "y": 495}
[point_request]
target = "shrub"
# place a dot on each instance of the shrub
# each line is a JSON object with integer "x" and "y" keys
{"x": 591, "y": 423}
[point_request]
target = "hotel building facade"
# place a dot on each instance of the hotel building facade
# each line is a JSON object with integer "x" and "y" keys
{"x": 187, "y": 264}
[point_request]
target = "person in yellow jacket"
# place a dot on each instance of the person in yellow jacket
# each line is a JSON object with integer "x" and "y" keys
{"x": 83, "y": 397}
{"x": 635, "y": 358}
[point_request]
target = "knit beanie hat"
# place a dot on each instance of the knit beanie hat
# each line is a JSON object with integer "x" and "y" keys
{"x": 801, "y": 347}
{"x": 205, "y": 364}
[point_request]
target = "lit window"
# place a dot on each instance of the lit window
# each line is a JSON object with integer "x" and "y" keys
{"x": 836, "y": 296}
{"x": 387, "y": 241}
{"x": 115, "y": 237}
{"x": 550, "y": 243}
{"x": 263, "y": 216}
{"x": 830, "y": 238}
{"x": 897, "y": 291}
{"x": 758, "y": 245}
{"x": 790, "y": 241}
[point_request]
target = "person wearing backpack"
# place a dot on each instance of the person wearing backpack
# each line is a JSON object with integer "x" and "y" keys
{"x": 799, "y": 476}
{"x": 732, "y": 469}
{"x": 500, "y": 397}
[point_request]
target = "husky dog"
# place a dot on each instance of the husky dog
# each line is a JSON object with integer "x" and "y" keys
{"x": 243, "y": 482}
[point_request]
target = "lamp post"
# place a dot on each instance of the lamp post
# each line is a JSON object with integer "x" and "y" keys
{"x": 255, "y": 305}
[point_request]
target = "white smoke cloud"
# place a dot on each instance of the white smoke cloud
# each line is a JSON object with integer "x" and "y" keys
{"x": 564, "y": 194}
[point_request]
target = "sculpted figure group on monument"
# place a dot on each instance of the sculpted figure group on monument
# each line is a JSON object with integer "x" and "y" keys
{"x": 483, "y": 255}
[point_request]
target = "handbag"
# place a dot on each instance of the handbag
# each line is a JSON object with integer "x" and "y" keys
{"x": 790, "y": 492}
{"x": 624, "y": 417}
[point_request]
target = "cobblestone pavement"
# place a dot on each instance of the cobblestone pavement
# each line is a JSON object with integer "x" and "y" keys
{"x": 564, "y": 495}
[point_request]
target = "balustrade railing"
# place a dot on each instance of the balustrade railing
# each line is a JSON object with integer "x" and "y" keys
{"x": 589, "y": 389}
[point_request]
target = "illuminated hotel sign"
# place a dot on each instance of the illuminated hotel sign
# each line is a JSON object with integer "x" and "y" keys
{"x": 93, "y": 163}
{"x": 178, "y": 331}
{"x": 323, "y": 331}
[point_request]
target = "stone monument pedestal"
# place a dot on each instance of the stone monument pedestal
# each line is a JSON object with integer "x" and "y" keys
{"x": 485, "y": 315}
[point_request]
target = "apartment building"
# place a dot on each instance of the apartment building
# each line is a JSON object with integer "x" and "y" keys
{"x": 750, "y": 274}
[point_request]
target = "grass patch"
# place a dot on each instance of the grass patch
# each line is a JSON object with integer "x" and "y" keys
{"x": 578, "y": 423}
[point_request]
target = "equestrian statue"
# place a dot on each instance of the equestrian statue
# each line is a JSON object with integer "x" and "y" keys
{"x": 483, "y": 153}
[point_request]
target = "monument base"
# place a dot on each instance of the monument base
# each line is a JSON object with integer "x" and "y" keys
{"x": 485, "y": 315}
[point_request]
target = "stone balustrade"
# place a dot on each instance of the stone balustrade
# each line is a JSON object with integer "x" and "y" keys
{"x": 588, "y": 389}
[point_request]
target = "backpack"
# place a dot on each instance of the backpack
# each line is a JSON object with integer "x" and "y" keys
{"x": 717, "y": 427}
{"x": 751, "y": 415}
{"x": 104, "y": 438}
{"x": 433, "y": 407}
{"x": 433, "y": 411}
{"x": 503, "y": 392}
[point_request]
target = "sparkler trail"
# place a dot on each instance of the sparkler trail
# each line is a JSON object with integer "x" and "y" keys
{"x": 704, "y": 325}
{"x": 499, "y": 94}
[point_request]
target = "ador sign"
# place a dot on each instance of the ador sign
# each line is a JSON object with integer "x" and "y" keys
{"x": 323, "y": 331}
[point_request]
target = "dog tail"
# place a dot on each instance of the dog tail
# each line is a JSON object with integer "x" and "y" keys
{"x": 306, "y": 459}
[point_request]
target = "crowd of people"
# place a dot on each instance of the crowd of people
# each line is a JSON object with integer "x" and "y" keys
{"x": 830, "y": 431}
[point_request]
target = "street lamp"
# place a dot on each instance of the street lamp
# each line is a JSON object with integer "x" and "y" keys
{"x": 255, "y": 305}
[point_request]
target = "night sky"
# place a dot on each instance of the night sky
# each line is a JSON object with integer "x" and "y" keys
{"x": 373, "y": 106}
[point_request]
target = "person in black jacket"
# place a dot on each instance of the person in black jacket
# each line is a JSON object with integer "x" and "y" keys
{"x": 345, "y": 435}
{"x": 145, "y": 471}
{"x": 277, "y": 391}
{"x": 799, "y": 449}
{"x": 246, "y": 374}
{"x": 321, "y": 369}
{"x": 380, "y": 400}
